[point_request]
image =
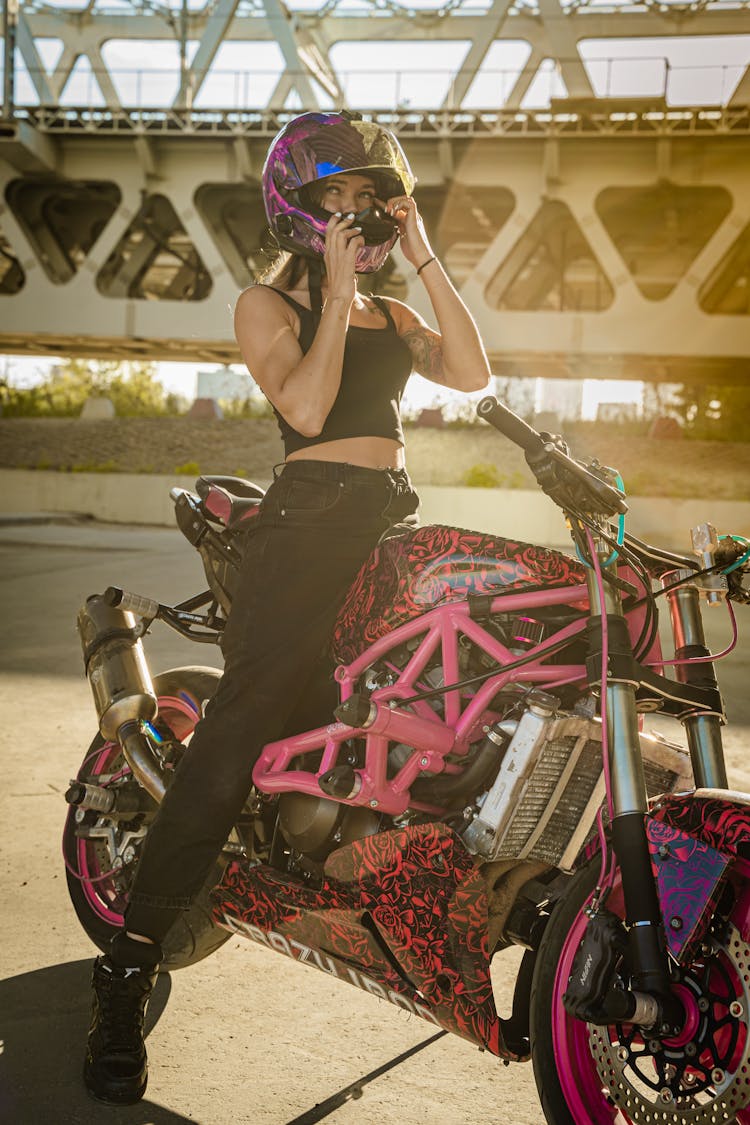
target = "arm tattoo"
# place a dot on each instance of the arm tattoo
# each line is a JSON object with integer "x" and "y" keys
{"x": 427, "y": 352}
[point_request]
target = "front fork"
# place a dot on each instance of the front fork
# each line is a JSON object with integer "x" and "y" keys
{"x": 629, "y": 801}
{"x": 651, "y": 1002}
{"x": 703, "y": 730}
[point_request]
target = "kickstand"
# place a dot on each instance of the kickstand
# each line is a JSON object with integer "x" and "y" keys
{"x": 354, "y": 1090}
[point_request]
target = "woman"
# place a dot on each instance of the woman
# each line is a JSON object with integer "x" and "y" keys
{"x": 333, "y": 364}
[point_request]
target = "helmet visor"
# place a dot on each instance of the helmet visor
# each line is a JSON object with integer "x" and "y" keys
{"x": 352, "y": 146}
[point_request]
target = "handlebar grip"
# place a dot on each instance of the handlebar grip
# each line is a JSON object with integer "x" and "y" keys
{"x": 133, "y": 603}
{"x": 509, "y": 424}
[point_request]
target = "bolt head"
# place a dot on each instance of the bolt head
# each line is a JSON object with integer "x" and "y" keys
{"x": 665, "y": 1094}
{"x": 622, "y": 1054}
{"x": 663, "y": 851}
{"x": 736, "y": 1009}
{"x": 717, "y": 1076}
{"x": 373, "y": 803}
{"x": 675, "y": 922}
{"x": 423, "y": 762}
{"x": 691, "y": 1050}
{"x": 703, "y": 1004}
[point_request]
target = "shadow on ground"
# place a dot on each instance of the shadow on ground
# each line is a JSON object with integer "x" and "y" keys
{"x": 44, "y": 1018}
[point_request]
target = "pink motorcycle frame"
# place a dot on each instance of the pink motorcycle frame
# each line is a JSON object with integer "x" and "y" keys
{"x": 433, "y": 740}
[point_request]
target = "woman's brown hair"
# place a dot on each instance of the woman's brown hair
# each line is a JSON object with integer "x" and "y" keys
{"x": 285, "y": 272}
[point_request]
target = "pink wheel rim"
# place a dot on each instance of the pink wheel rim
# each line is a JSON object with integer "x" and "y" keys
{"x": 579, "y": 1080}
{"x": 181, "y": 714}
{"x": 580, "y": 1083}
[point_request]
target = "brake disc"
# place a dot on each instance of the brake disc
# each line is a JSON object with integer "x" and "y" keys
{"x": 701, "y": 1076}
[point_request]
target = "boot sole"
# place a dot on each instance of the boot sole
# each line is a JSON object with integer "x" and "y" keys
{"x": 112, "y": 1096}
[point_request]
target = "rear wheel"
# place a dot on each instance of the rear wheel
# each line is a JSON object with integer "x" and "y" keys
{"x": 101, "y": 854}
{"x": 607, "y": 1075}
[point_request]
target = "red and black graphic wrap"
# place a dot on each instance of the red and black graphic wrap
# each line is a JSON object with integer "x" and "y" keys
{"x": 410, "y": 574}
{"x": 715, "y": 818}
{"x": 696, "y": 842}
{"x": 689, "y": 878}
{"x": 406, "y": 909}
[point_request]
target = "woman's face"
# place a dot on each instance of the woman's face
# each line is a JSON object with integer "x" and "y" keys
{"x": 347, "y": 193}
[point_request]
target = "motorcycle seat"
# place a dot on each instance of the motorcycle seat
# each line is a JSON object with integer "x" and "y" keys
{"x": 230, "y": 500}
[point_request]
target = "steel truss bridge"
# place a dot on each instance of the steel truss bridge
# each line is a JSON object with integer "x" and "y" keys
{"x": 596, "y": 236}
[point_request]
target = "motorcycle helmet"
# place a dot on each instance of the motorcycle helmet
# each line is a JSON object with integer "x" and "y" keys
{"x": 308, "y": 150}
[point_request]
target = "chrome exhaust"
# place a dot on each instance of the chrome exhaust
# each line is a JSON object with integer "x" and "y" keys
{"x": 121, "y": 684}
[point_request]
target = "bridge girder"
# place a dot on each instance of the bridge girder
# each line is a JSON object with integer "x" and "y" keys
{"x": 604, "y": 237}
{"x": 539, "y": 229}
{"x": 553, "y": 31}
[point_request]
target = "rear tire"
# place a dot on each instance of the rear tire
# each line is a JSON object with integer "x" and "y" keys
{"x": 98, "y": 891}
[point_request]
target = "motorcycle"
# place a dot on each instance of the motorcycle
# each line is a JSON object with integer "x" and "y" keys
{"x": 479, "y": 779}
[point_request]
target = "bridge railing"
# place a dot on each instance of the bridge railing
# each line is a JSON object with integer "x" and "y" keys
{"x": 419, "y": 88}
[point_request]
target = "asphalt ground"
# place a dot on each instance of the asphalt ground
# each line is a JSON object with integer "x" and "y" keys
{"x": 244, "y": 1037}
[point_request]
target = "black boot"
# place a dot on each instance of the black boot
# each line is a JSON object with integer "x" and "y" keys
{"x": 116, "y": 1068}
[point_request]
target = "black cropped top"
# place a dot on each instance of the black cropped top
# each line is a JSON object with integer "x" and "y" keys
{"x": 377, "y": 364}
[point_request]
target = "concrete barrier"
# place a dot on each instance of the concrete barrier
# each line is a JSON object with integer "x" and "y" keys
{"x": 144, "y": 499}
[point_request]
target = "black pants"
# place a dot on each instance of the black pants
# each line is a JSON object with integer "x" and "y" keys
{"x": 318, "y": 523}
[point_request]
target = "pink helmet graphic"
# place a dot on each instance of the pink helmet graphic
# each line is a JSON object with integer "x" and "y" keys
{"x": 314, "y": 146}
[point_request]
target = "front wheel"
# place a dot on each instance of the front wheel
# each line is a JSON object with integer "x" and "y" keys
{"x": 590, "y": 1075}
{"x": 101, "y": 854}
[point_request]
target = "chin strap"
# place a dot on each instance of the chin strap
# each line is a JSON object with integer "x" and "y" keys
{"x": 314, "y": 283}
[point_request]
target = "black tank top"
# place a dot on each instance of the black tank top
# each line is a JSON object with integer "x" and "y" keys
{"x": 377, "y": 364}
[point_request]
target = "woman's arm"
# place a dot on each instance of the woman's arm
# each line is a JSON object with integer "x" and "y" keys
{"x": 303, "y": 388}
{"x": 453, "y": 356}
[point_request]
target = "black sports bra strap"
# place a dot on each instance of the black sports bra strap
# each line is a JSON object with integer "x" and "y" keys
{"x": 315, "y": 282}
{"x": 289, "y": 300}
{"x": 383, "y": 306}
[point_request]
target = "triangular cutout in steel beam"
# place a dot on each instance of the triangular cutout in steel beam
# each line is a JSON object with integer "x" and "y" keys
{"x": 727, "y": 289}
{"x": 464, "y": 220}
{"x": 62, "y": 219}
{"x": 551, "y": 268}
{"x": 155, "y": 259}
{"x": 236, "y": 220}
{"x": 660, "y": 229}
{"x": 12, "y": 276}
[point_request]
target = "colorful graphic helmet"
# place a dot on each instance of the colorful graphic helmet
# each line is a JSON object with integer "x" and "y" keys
{"x": 314, "y": 146}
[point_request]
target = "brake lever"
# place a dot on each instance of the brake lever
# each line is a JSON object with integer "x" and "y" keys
{"x": 558, "y": 474}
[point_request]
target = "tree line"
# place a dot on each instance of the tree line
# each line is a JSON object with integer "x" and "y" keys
{"x": 705, "y": 412}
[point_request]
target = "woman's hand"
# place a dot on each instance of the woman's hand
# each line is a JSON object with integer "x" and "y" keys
{"x": 414, "y": 241}
{"x": 343, "y": 241}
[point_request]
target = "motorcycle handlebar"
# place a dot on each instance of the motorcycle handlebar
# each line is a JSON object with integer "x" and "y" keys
{"x": 509, "y": 424}
{"x": 568, "y": 475}
{"x": 133, "y": 603}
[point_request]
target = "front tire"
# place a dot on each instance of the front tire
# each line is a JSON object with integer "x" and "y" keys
{"x": 600, "y": 1075}
{"x": 98, "y": 880}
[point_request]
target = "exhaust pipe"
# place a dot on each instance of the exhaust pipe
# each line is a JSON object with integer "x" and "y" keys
{"x": 120, "y": 681}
